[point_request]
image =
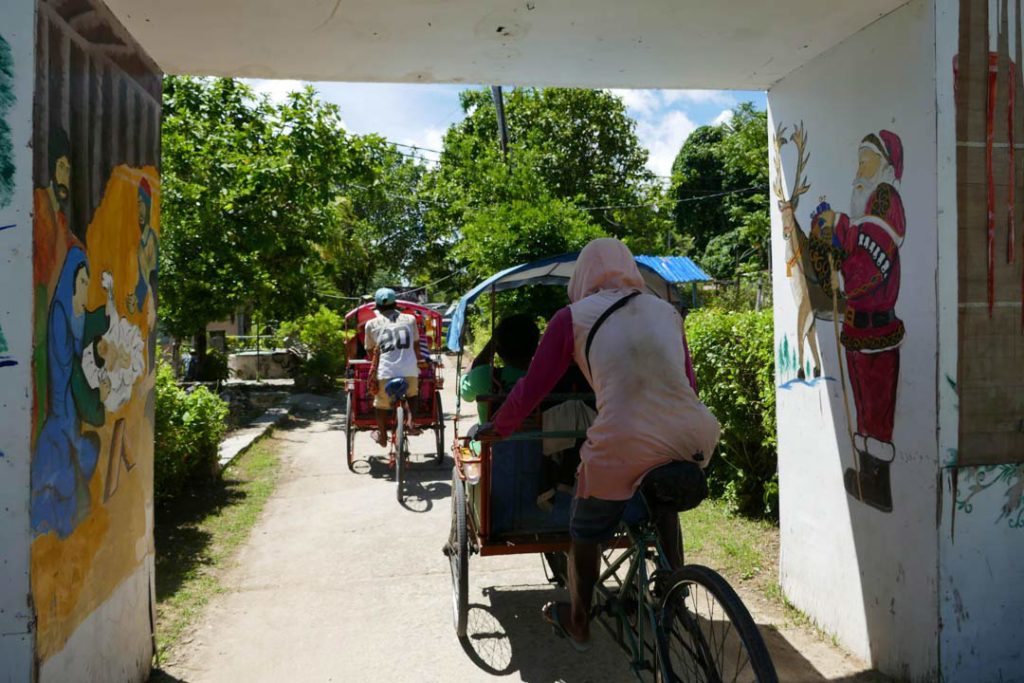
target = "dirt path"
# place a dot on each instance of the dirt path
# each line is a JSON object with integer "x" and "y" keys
{"x": 340, "y": 583}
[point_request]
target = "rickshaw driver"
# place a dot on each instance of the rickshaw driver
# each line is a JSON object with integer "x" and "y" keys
{"x": 392, "y": 337}
{"x": 648, "y": 411}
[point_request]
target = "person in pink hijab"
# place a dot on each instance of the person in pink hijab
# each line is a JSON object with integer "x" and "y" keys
{"x": 648, "y": 411}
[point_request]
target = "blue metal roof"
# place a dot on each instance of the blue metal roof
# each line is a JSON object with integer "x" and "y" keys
{"x": 675, "y": 269}
{"x": 550, "y": 271}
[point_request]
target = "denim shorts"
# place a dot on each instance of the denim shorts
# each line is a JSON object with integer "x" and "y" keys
{"x": 594, "y": 520}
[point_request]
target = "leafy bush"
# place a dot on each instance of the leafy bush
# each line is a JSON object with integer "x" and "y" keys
{"x": 215, "y": 369}
{"x": 324, "y": 335}
{"x": 189, "y": 428}
{"x": 734, "y": 361}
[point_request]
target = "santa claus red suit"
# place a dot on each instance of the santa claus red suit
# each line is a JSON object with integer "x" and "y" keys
{"x": 866, "y": 253}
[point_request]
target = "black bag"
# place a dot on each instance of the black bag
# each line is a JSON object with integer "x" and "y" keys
{"x": 679, "y": 486}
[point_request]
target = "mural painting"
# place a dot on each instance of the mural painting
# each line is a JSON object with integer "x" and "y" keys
{"x": 95, "y": 240}
{"x": 6, "y": 161}
{"x": 5, "y": 358}
{"x": 978, "y": 480}
{"x": 847, "y": 269}
{"x": 6, "y": 103}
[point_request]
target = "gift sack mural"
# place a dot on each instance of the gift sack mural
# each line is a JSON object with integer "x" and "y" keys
{"x": 845, "y": 270}
{"x": 95, "y": 236}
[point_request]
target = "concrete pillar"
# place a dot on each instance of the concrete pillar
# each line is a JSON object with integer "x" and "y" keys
{"x": 890, "y": 538}
{"x": 79, "y": 211}
{"x": 17, "y": 76}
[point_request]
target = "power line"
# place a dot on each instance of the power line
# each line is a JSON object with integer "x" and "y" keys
{"x": 674, "y": 201}
{"x": 416, "y": 147}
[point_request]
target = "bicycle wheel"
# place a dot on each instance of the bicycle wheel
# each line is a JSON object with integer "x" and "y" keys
{"x": 350, "y": 445}
{"x": 706, "y": 633}
{"x": 439, "y": 429}
{"x": 400, "y": 452}
{"x": 458, "y": 556}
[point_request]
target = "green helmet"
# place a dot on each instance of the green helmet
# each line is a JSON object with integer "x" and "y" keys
{"x": 384, "y": 297}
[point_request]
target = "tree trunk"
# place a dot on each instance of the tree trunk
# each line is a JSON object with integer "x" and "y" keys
{"x": 200, "y": 355}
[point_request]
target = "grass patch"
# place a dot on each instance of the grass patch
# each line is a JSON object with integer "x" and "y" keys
{"x": 740, "y": 548}
{"x": 198, "y": 533}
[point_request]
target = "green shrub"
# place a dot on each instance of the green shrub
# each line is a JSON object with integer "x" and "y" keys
{"x": 734, "y": 362}
{"x": 324, "y": 335}
{"x": 189, "y": 428}
{"x": 215, "y": 369}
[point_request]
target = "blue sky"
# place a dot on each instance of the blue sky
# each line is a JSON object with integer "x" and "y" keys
{"x": 420, "y": 114}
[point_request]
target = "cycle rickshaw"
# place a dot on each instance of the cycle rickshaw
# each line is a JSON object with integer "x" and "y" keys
{"x": 413, "y": 414}
{"x": 675, "y": 625}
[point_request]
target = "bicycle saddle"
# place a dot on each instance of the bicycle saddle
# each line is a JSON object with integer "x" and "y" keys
{"x": 680, "y": 485}
{"x": 396, "y": 388}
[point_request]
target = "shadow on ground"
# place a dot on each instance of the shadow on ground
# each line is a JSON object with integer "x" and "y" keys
{"x": 506, "y": 635}
{"x": 182, "y": 546}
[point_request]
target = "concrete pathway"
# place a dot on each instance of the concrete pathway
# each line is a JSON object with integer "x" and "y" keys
{"x": 340, "y": 583}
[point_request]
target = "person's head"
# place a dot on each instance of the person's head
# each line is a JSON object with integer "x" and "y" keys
{"x": 145, "y": 204}
{"x": 385, "y": 298}
{"x": 515, "y": 340}
{"x": 879, "y": 160}
{"x": 60, "y": 167}
{"x": 605, "y": 263}
{"x": 80, "y": 289}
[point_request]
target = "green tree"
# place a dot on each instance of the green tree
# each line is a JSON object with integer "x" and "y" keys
{"x": 575, "y": 170}
{"x": 720, "y": 180}
{"x": 273, "y": 207}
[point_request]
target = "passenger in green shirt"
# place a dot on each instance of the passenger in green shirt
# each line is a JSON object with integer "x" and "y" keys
{"x": 515, "y": 340}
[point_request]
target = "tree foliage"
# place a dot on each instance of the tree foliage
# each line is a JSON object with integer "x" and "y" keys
{"x": 273, "y": 206}
{"x": 720, "y": 182}
{"x": 575, "y": 170}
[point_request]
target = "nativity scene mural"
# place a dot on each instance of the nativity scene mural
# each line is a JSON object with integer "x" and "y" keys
{"x": 844, "y": 270}
{"x": 96, "y": 237}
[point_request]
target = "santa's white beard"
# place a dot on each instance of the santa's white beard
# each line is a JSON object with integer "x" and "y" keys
{"x": 863, "y": 188}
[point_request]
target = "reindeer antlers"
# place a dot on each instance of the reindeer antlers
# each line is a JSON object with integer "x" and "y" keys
{"x": 799, "y": 139}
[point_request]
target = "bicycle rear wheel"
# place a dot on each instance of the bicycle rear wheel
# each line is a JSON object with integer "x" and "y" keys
{"x": 707, "y": 634}
{"x": 350, "y": 447}
{"x": 439, "y": 426}
{"x": 458, "y": 556}
{"x": 400, "y": 453}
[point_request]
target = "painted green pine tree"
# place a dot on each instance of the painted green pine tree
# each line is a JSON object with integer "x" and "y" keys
{"x": 6, "y": 102}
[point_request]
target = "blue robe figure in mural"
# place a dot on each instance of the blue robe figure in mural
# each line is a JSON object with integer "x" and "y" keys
{"x": 65, "y": 458}
{"x": 147, "y": 258}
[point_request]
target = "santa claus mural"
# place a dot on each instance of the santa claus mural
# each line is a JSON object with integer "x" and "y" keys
{"x": 856, "y": 256}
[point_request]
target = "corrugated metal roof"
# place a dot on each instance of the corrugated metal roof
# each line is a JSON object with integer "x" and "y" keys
{"x": 675, "y": 269}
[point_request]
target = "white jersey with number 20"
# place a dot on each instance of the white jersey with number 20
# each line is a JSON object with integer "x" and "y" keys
{"x": 396, "y": 335}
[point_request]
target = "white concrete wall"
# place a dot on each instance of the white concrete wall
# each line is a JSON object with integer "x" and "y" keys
{"x": 870, "y": 577}
{"x": 17, "y": 35}
{"x": 981, "y": 554}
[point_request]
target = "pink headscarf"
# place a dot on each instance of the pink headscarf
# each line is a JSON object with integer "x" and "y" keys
{"x": 605, "y": 263}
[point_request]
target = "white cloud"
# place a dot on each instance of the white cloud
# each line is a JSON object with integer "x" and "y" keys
{"x": 663, "y": 136}
{"x": 698, "y": 96}
{"x": 277, "y": 90}
{"x": 640, "y": 101}
{"x": 725, "y": 116}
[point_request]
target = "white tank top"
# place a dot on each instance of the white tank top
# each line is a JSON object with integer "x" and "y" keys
{"x": 397, "y": 341}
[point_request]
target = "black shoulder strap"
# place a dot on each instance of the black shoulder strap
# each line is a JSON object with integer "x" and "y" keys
{"x": 600, "y": 321}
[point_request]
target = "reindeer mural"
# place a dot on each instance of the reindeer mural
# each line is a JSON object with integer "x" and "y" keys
{"x": 797, "y": 251}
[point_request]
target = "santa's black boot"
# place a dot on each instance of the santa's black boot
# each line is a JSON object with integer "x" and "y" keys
{"x": 874, "y": 487}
